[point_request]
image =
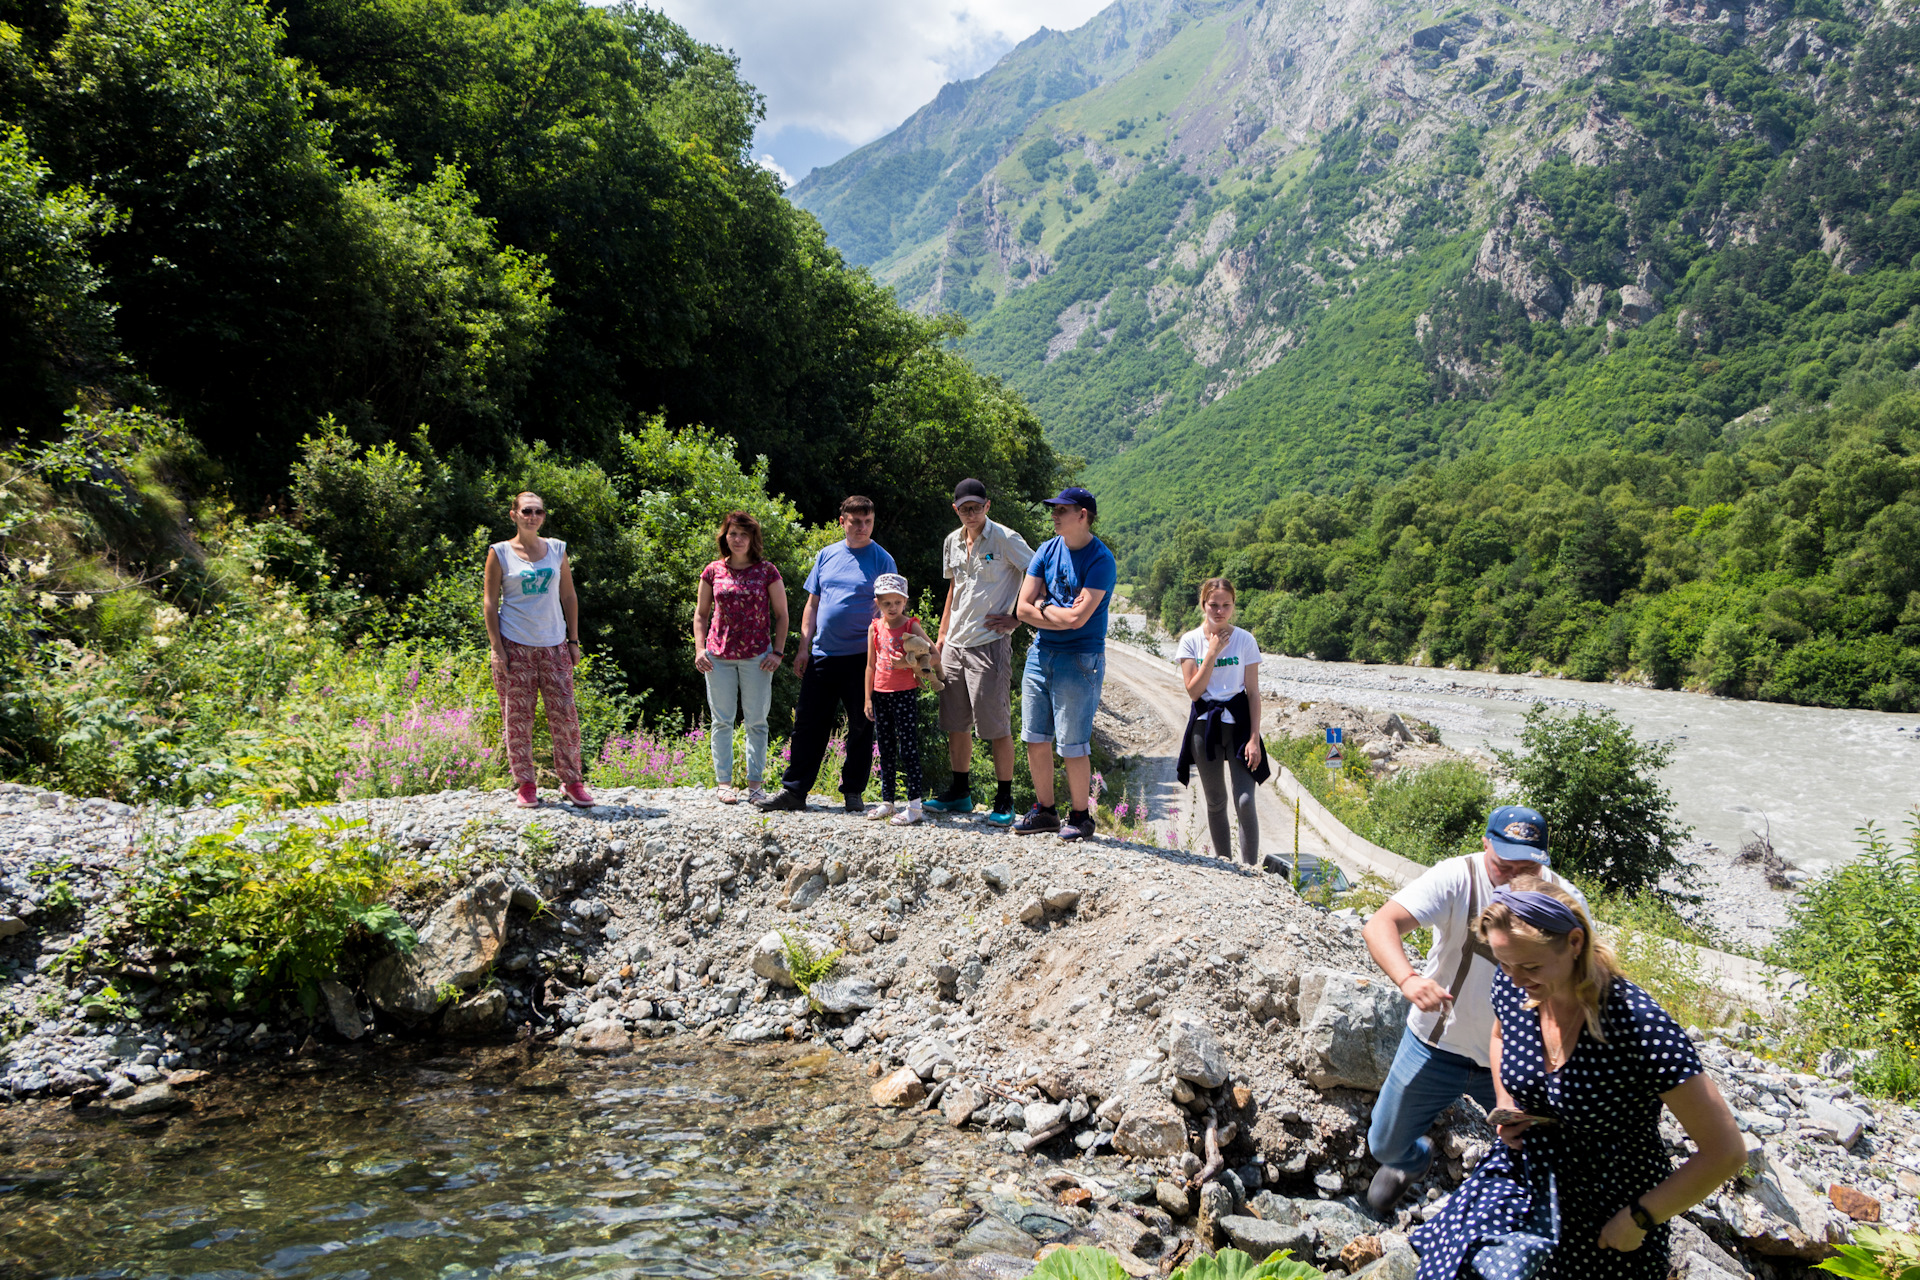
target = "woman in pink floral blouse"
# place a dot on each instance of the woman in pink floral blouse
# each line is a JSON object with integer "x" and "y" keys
{"x": 739, "y": 633}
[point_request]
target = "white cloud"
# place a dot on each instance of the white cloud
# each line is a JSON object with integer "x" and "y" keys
{"x": 853, "y": 69}
{"x": 772, "y": 166}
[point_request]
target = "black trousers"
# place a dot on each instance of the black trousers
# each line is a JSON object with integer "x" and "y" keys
{"x": 831, "y": 685}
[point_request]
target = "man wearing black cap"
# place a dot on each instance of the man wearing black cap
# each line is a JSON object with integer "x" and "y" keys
{"x": 1065, "y": 598}
{"x": 984, "y": 564}
{"x": 1444, "y": 1050}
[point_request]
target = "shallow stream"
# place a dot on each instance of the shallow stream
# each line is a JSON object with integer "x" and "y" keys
{"x": 681, "y": 1162}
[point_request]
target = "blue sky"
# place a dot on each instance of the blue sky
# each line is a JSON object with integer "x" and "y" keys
{"x": 839, "y": 73}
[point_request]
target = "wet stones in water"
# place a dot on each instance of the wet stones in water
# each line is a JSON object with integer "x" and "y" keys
{"x": 148, "y": 1099}
{"x": 480, "y": 1014}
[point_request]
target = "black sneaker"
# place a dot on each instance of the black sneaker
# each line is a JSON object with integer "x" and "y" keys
{"x": 853, "y": 804}
{"x": 1080, "y": 828}
{"x": 1036, "y": 821}
{"x": 785, "y": 800}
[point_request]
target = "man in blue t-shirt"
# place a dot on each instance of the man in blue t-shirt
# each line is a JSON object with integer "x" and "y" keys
{"x": 1064, "y": 597}
{"x": 832, "y": 662}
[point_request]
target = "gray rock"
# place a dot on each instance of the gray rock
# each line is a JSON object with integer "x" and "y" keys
{"x": 1842, "y": 1122}
{"x": 479, "y": 1014}
{"x": 808, "y": 893}
{"x": 1196, "y": 1054}
{"x": 1173, "y": 1197}
{"x": 940, "y": 878}
{"x": 342, "y": 1012}
{"x": 836, "y": 872}
{"x": 1152, "y": 1131}
{"x": 1263, "y": 1239}
{"x": 602, "y": 1036}
{"x": 1350, "y": 1028}
{"x": 457, "y": 946}
{"x": 1062, "y": 899}
{"x": 844, "y": 995}
{"x": 995, "y": 1235}
{"x": 1031, "y": 910}
{"x": 1042, "y": 1116}
{"x": 929, "y": 1053}
{"x": 997, "y": 876}
{"x": 855, "y": 1037}
{"x": 958, "y": 1103}
{"x": 11, "y": 925}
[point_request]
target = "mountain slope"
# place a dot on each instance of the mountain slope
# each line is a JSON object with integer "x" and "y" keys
{"x": 1293, "y": 244}
{"x": 896, "y": 195}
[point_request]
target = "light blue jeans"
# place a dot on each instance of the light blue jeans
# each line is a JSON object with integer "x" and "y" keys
{"x": 1422, "y": 1083}
{"x": 739, "y": 685}
{"x": 1059, "y": 692}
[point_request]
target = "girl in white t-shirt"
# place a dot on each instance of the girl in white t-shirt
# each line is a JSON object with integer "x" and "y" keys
{"x": 1220, "y": 665}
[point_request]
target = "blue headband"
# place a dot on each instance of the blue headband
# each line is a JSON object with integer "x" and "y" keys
{"x": 1541, "y": 910}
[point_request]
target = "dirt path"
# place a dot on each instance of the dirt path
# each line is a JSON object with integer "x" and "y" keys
{"x": 1139, "y": 682}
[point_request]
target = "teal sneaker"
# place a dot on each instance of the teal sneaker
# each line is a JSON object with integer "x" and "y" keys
{"x": 963, "y": 805}
{"x": 1001, "y": 817}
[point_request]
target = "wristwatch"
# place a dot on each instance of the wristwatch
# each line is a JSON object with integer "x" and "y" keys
{"x": 1641, "y": 1218}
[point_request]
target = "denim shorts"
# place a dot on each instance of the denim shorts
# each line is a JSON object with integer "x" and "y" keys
{"x": 1059, "y": 693}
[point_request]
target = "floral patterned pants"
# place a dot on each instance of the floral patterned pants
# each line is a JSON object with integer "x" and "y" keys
{"x": 548, "y": 674}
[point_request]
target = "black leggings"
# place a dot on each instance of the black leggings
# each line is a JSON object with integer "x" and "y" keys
{"x": 1213, "y": 784}
{"x": 896, "y": 721}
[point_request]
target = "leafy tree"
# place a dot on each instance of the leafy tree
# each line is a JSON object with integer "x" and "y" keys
{"x": 1597, "y": 785}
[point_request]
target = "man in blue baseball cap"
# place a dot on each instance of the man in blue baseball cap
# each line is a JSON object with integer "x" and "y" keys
{"x": 1443, "y": 1052}
{"x": 1064, "y": 597}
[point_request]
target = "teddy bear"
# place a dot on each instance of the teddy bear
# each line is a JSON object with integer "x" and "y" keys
{"x": 919, "y": 652}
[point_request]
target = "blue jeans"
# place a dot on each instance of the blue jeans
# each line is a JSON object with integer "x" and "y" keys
{"x": 738, "y": 684}
{"x": 1059, "y": 693}
{"x": 1422, "y": 1083}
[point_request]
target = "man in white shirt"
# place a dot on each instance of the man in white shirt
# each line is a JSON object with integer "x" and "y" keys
{"x": 1443, "y": 1052}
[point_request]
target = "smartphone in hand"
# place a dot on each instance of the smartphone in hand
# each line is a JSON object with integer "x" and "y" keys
{"x": 1507, "y": 1115}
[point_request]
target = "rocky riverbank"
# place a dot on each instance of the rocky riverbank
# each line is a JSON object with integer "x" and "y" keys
{"x": 1181, "y": 1053}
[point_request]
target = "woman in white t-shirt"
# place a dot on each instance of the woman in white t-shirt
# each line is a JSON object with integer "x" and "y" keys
{"x": 1220, "y": 665}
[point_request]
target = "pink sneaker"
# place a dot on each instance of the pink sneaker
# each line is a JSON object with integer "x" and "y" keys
{"x": 527, "y": 796}
{"x": 578, "y": 794}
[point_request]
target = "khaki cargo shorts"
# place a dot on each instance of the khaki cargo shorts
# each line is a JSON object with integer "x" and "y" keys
{"x": 979, "y": 690}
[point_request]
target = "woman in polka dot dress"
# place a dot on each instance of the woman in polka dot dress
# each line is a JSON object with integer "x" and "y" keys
{"x": 1581, "y": 1187}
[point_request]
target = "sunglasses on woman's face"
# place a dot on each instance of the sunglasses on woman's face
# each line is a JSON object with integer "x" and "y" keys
{"x": 533, "y": 511}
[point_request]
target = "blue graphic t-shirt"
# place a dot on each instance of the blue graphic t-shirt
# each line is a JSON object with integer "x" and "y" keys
{"x": 843, "y": 579}
{"x": 1064, "y": 571}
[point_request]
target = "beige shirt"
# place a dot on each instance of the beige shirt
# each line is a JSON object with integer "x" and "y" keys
{"x": 985, "y": 581}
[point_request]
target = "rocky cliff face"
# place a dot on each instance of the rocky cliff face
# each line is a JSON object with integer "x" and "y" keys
{"x": 1326, "y": 145}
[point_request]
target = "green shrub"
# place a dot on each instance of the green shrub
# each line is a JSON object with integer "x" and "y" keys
{"x": 1430, "y": 813}
{"x": 1855, "y": 939}
{"x": 1598, "y": 787}
{"x": 245, "y": 916}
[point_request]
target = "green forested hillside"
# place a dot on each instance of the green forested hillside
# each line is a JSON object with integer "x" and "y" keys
{"x": 1784, "y": 564}
{"x": 295, "y": 298}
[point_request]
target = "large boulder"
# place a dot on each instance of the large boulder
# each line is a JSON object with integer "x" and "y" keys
{"x": 1777, "y": 1213}
{"x": 459, "y": 944}
{"x": 1152, "y": 1131}
{"x": 1350, "y": 1028}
